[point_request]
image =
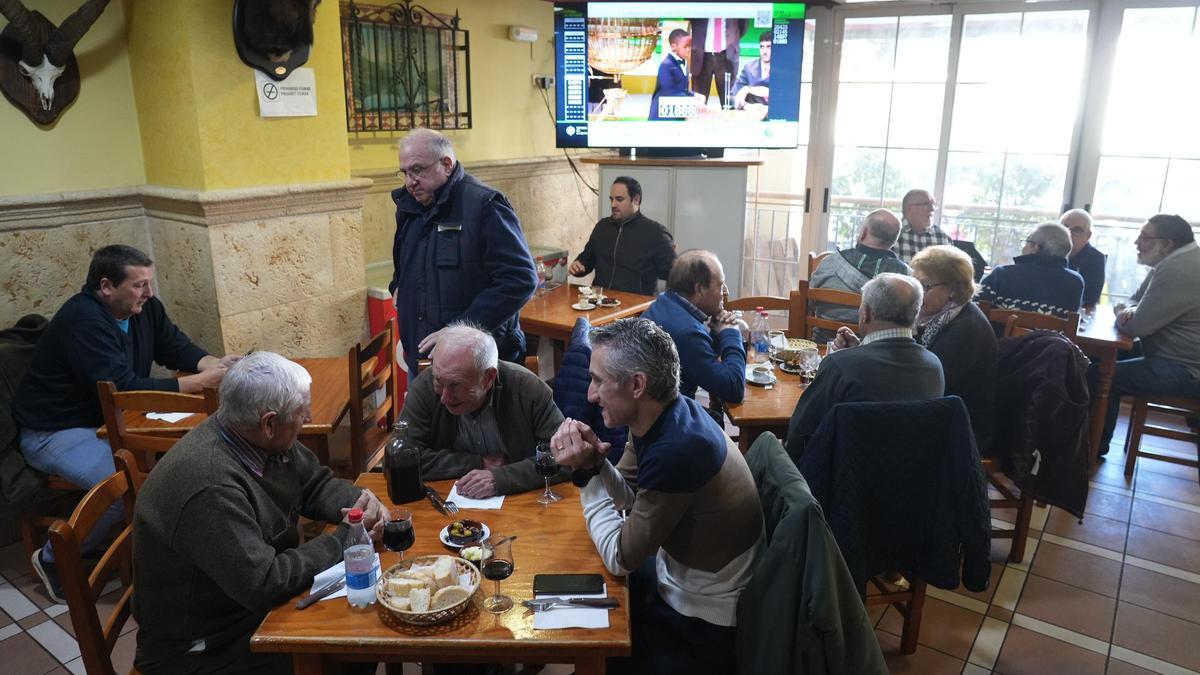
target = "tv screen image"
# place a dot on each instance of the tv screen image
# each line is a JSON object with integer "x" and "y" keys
{"x": 678, "y": 74}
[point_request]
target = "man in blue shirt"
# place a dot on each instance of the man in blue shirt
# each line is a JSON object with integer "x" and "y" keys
{"x": 711, "y": 353}
{"x": 1085, "y": 258}
{"x": 113, "y": 330}
{"x": 459, "y": 252}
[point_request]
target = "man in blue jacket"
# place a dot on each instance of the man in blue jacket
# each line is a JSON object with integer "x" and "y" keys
{"x": 711, "y": 353}
{"x": 1038, "y": 280}
{"x": 672, "y": 77}
{"x": 459, "y": 252}
{"x": 113, "y": 330}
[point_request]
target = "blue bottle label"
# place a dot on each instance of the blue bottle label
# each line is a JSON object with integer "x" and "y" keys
{"x": 364, "y": 580}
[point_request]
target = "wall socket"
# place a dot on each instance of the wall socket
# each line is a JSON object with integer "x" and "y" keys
{"x": 543, "y": 81}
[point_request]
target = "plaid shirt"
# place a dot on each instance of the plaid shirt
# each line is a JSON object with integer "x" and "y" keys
{"x": 251, "y": 457}
{"x": 910, "y": 243}
{"x": 887, "y": 334}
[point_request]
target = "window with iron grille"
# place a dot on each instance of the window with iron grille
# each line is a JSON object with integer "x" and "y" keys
{"x": 405, "y": 67}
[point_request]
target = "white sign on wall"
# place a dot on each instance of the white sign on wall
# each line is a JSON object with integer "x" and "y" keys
{"x": 294, "y": 97}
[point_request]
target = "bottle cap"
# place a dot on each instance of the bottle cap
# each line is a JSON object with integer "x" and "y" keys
{"x": 355, "y": 516}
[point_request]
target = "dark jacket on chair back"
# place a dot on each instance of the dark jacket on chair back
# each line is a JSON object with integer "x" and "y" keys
{"x": 801, "y": 613}
{"x": 1042, "y": 418}
{"x": 903, "y": 489}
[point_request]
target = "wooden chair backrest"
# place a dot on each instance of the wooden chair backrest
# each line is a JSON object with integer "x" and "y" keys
{"x": 767, "y": 302}
{"x": 96, "y": 639}
{"x": 1019, "y": 323}
{"x": 815, "y": 259}
{"x": 145, "y": 446}
{"x": 372, "y": 370}
{"x": 829, "y": 296}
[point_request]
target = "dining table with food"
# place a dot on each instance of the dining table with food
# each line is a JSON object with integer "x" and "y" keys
{"x": 773, "y": 387}
{"x": 517, "y": 581}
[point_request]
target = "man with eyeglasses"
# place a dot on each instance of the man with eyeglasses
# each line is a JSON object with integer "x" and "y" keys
{"x": 919, "y": 231}
{"x": 711, "y": 353}
{"x": 1084, "y": 258}
{"x": 1164, "y": 314}
{"x": 1038, "y": 280}
{"x": 459, "y": 252}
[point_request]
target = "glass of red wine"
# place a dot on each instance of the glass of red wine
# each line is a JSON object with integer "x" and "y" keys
{"x": 398, "y": 534}
{"x": 497, "y": 564}
{"x": 547, "y": 468}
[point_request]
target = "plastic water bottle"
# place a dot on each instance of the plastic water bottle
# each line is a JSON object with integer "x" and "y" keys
{"x": 759, "y": 344}
{"x": 361, "y": 570}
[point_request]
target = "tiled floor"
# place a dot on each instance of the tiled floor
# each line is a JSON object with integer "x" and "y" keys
{"x": 1117, "y": 594}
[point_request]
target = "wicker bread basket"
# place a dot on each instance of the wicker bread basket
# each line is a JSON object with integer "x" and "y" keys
{"x": 384, "y": 596}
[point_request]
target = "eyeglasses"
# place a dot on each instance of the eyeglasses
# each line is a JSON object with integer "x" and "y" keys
{"x": 1078, "y": 230}
{"x": 930, "y": 287}
{"x": 1032, "y": 242}
{"x": 413, "y": 172}
{"x": 1145, "y": 237}
{"x": 932, "y": 205}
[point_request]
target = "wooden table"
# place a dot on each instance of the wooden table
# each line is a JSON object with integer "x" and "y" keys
{"x": 765, "y": 409}
{"x": 330, "y": 402}
{"x": 551, "y": 316}
{"x": 1101, "y": 340}
{"x": 553, "y": 539}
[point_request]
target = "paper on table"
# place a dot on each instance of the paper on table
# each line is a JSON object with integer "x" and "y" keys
{"x": 468, "y": 503}
{"x": 170, "y": 418}
{"x": 583, "y": 617}
{"x": 330, "y": 575}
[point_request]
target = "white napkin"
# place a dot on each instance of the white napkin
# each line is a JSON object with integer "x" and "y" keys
{"x": 582, "y": 617}
{"x": 491, "y": 503}
{"x": 170, "y": 418}
{"x": 330, "y": 575}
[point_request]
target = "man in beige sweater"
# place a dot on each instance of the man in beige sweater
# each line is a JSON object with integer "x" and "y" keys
{"x": 695, "y": 523}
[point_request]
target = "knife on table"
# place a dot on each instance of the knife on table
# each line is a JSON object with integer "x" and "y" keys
{"x": 436, "y": 501}
{"x": 323, "y": 592}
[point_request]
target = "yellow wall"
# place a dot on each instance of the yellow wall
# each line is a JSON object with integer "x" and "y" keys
{"x": 95, "y": 143}
{"x": 200, "y": 121}
{"x": 509, "y": 117}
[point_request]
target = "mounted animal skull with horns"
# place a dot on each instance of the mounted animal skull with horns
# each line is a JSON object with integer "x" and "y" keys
{"x": 42, "y": 54}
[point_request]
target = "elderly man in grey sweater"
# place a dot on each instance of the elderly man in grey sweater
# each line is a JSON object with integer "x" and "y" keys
{"x": 1164, "y": 314}
{"x": 215, "y": 539}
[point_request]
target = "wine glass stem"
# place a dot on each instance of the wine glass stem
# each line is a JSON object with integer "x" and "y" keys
{"x": 497, "y": 597}
{"x": 547, "y": 492}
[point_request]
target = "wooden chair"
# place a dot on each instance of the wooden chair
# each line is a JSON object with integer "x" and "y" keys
{"x": 145, "y": 447}
{"x": 1016, "y": 322}
{"x": 374, "y": 406}
{"x": 804, "y": 302}
{"x": 96, "y": 638}
{"x": 815, "y": 259}
{"x": 767, "y": 302}
{"x": 910, "y": 602}
{"x": 1009, "y": 499}
{"x": 1139, "y": 425}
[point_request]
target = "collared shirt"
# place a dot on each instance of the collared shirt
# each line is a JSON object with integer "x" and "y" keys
{"x": 478, "y": 432}
{"x": 912, "y": 242}
{"x": 887, "y": 334}
{"x": 692, "y": 309}
{"x": 251, "y": 457}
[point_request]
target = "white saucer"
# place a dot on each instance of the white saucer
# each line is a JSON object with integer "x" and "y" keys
{"x": 583, "y": 306}
{"x": 444, "y": 535}
{"x": 763, "y": 381}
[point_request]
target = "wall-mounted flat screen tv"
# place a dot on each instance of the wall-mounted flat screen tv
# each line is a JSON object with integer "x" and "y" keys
{"x": 678, "y": 74}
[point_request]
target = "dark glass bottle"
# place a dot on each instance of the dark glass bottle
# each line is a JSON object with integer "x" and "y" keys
{"x": 402, "y": 466}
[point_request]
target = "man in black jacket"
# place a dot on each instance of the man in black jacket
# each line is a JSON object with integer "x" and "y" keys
{"x": 628, "y": 251}
{"x": 888, "y": 365}
{"x": 114, "y": 329}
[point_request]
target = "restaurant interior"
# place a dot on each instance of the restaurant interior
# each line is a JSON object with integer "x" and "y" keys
{"x": 271, "y": 228}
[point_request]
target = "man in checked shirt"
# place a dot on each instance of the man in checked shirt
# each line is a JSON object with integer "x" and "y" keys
{"x": 919, "y": 231}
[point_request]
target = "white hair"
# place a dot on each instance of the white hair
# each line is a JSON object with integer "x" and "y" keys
{"x": 478, "y": 342}
{"x": 1079, "y": 216}
{"x": 1052, "y": 239}
{"x": 260, "y": 383}
{"x": 895, "y": 298}
{"x": 431, "y": 141}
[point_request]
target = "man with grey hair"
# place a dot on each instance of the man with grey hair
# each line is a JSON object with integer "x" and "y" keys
{"x": 1038, "y": 280}
{"x": 216, "y": 541}
{"x": 850, "y": 269}
{"x": 479, "y": 419}
{"x": 458, "y": 253}
{"x": 1084, "y": 258}
{"x": 885, "y": 364}
{"x": 919, "y": 232}
{"x": 694, "y": 526}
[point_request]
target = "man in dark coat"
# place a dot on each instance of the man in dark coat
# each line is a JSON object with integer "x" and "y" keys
{"x": 628, "y": 251}
{"x": 459, "y": 252}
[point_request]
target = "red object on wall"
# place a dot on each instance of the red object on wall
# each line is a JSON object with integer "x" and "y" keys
{"x": 380, "y": 310}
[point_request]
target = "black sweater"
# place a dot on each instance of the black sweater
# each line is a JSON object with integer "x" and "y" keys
{"x": 967, "y": 349}
{"x": 84, "y": 345}
{"x": 630, "y": 256}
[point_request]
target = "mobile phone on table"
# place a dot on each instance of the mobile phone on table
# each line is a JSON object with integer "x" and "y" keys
{"x": 568, "y": 584}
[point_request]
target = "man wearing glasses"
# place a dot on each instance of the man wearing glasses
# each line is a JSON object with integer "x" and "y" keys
{"x": 459, "y": 252}
{"x": 1164, "y": 314}
{"x": 1037, "y": 280}
{"x": 1085, "y": 258}
{"x": 919, "y": 231}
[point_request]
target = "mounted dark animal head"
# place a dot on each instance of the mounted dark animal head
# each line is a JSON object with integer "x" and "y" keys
{"x": 274, "y": 36}
{"x": 41, "y": 54}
